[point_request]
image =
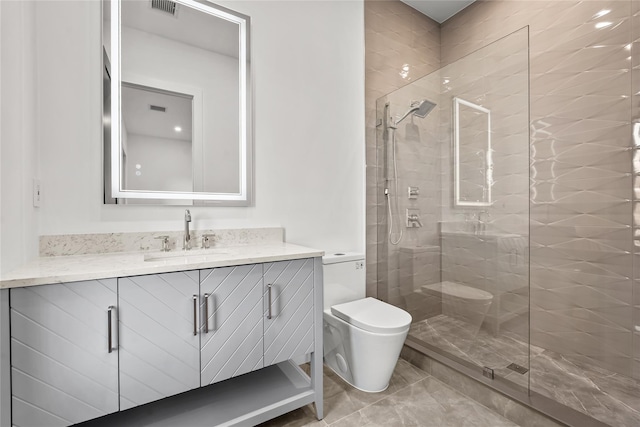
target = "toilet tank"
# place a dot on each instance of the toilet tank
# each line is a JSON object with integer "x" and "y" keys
{"x": 344, "y": 277}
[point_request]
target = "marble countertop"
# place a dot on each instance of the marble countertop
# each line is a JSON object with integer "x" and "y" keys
{"x": 60, "y": 269}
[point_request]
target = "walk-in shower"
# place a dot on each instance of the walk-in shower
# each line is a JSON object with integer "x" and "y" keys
{"x": 463, "y": 271}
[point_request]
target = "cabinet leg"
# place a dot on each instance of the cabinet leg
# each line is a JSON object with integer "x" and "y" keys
{"x": 316, "y": 382}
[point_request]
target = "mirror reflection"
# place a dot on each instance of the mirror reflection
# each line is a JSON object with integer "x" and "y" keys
{"x": 156, "y": 139}
{"x": 179, "y": 83}
{"x": 473, "y": 157}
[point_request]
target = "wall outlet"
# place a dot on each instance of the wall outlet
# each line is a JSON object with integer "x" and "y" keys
{"x": 37, "y": 193}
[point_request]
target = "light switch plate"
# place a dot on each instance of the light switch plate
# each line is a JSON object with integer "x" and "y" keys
{"x": 37, "y": 193}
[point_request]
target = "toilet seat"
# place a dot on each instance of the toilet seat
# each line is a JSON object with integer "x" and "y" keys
{"x": 373, "y": 315}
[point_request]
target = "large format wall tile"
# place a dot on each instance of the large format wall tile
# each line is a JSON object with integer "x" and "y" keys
{"x": 401, "y": 45}
{"x": 583, "y": 65}
{"x": 581, "y": 187}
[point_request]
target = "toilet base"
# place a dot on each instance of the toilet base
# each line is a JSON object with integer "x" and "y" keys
{"x": 353, "y": 385}
{"x": 363, "y": 359}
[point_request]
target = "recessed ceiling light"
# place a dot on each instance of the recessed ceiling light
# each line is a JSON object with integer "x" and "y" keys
{"x": 177, "y": 129}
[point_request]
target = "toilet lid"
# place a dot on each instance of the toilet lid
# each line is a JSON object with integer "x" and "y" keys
{"x": 373, "y": 315}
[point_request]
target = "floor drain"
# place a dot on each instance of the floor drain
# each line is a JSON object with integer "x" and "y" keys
{"x": 517, "y": 368}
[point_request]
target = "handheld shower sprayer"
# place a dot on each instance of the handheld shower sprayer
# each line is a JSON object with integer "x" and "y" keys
{"x": 417, "y": 108}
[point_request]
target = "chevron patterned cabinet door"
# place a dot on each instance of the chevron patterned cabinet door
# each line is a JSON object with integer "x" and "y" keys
{"x": 63, "y": 370}
{"x": 232, "y": 324}
{"x": 159, "y": 338}
{"x": 288, "y": 310}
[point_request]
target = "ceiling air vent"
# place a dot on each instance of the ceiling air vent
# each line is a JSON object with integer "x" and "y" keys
{"x": 158, "y": 108}
{"x": 167, "y": 6}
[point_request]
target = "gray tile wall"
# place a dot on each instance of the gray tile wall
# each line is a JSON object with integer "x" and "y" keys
{"x": 417, "y": 160}
{"x": 584, "y": 303}
{"x": 635, "y": 79}
{"x": 581, "y": 240}
{"x": 396, "y": 37}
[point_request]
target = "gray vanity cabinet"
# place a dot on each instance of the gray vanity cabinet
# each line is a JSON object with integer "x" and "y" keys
{"x": 83, "y": 350}
{"x": 159, "y": 336}
{"x": 64, "y": 363}
{"x": 288, "y": 310}
{"x": 232, "y": 327}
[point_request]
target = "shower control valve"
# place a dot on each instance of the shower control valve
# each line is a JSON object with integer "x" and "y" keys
{"x": 413, "y": 192}
{"x": 413, "y": 218}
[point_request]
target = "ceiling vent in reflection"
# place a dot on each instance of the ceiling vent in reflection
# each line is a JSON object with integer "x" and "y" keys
{"x": 167, "y": 6}
{"x": 158, "y": 108}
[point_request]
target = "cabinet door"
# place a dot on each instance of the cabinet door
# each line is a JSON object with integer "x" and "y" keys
{"x": 159, "y": 339}
{"x": 63, "y": 370}
{"x": 288, "y": 310}
{"x": 232, "y": 325}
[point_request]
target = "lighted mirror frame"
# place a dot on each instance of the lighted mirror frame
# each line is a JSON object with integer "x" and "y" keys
{"x": 488, "y": 172}
{"x": 244, "y": 196}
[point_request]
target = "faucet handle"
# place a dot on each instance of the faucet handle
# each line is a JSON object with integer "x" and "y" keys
{"x": 206, "y": 240}
{"x": 165, "y": 242}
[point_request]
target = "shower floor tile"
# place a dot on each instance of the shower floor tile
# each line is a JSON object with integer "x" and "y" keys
{"x": 413, "y": 398}
{"x": 607, "y": 396}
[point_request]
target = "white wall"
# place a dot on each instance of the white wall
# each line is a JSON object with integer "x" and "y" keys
{"x": 308, "y": 65}
{"x": 18, "y": 153}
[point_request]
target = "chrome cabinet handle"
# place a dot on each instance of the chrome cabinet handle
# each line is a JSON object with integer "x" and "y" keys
{"x": 206, "y": 313}
{"x": 269, "y": 316}
{"x": 110, "y": 328}
{"x": 195, "y": 315}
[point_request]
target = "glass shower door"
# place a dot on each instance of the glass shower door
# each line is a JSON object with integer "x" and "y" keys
{"x": 453, "y": 186}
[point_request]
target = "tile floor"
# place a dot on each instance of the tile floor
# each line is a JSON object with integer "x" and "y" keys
{"x": 606, "y": 396}
{"x": 414, "y": 398}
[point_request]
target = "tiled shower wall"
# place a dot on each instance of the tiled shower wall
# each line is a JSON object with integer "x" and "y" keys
{"x": 583, "y": 301}
{"x": 495, "y": 77}
{"x": 401, "y": 45}
{"x": 410, "y": 259}
{"x": 581, "y": 194}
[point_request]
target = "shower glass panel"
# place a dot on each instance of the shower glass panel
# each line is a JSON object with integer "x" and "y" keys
{"x": 453, "y": 191}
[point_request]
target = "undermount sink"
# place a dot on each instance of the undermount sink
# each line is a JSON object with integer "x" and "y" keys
{"x": 183, "y": 255}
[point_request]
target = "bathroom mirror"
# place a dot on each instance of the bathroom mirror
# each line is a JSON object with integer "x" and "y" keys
{"x": 473, "y": 164}
{"x": 176, "y": 87}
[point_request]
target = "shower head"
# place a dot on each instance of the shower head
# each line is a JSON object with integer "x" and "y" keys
{"x": 424, "y": 108}
{"x": 418, "y": 108}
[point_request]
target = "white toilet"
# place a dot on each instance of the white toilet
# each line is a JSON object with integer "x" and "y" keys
{"x": 362, "y": 336}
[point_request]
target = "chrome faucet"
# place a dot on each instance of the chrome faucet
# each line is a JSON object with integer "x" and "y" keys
{"x": 187, "y": 237}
